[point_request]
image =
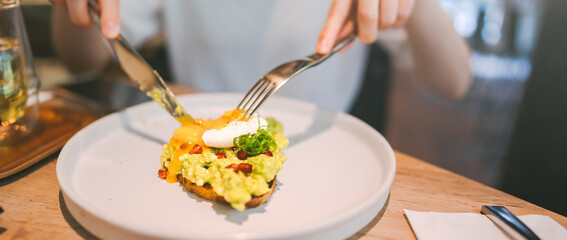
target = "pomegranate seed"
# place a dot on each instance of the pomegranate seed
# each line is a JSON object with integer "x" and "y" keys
{"x": 221, "y": 155}
{"x": 245, "y": 167}
{"x": 268, "y": 153}
{"x": 162, "y": 173}
{"x": 196, "y": 149}
{"x": 241, "y": 155}
{"x": 233, "y": 166}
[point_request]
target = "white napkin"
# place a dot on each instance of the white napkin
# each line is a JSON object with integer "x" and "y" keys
{"x": 438, "y": 226}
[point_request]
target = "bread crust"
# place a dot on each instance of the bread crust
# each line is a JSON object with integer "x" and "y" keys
{"x": 207, "y": 192}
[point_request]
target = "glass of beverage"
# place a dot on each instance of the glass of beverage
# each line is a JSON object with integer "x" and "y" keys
{"x": 19, "y": 84}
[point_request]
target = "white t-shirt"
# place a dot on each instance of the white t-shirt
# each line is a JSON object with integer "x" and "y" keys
{"x": 226, "y": 46}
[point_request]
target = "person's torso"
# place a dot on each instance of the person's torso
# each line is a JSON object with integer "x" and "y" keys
{"x": 228, "y": 45}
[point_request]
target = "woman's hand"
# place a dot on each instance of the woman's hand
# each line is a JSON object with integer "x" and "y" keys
{"x": 79, "y": 15}
{"x": 367, "y": 16}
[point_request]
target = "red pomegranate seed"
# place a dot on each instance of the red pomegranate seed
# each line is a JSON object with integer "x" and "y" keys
{"x": 162, "y": 173}
{"x": 221, "y": 155}
{"x": 245, "y": 167}
{"x": 268, "y": 153}
{"x": 233, "y": 166}
{"x": 241, "y": 155}
{"x": 196, "y": 149}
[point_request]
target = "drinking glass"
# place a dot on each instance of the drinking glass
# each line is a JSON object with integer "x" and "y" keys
{"x": 19, "y": 84}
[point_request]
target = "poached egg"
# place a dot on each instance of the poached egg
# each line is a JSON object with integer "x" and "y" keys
{"x": 224, "y": 137}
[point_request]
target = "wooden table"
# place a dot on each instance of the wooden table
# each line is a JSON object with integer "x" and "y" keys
{"x": 34, "y": 207}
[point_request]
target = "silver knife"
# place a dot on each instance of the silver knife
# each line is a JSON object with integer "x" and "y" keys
{"x": 147, "y": 79}
{"x": 512, "y": 226}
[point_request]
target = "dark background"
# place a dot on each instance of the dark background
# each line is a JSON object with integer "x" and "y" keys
{"x": 536, "y": 163}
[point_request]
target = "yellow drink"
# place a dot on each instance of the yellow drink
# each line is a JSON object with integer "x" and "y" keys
{"x": 13, "y": 81}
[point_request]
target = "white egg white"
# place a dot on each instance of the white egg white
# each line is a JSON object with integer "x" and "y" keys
{"x": 224, "y": 137}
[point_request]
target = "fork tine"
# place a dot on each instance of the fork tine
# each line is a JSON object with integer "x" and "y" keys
{"x": 267, "y": 91}
{"x": 253, "y": 93}
{"x": 278, "y": 76}
{"x": 261, "y": 93}
{"x": 249, "y": 94}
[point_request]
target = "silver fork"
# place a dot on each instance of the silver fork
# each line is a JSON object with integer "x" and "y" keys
{"x": 273, "y": 80}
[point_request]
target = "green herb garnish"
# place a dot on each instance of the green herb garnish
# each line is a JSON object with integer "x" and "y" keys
{"x": 254, "y": 144}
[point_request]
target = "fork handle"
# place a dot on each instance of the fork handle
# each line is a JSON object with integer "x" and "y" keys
{"x": 317, "y": 58}
{"x": 273, "y": 80}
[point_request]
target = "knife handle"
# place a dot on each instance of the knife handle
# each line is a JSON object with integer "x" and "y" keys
{"x": 94, "y": 10}
{"x": 139, "y": 71}
{"x": 505, "y": 219}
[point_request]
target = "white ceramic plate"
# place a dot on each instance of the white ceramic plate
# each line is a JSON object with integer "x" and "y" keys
{"x": 335, "y": 180}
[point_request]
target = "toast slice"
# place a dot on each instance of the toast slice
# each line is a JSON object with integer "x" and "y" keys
{"x": 207, "y": 192}
{"x": 226, "y": 160}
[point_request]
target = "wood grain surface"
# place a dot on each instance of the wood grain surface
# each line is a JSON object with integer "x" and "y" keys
{"x": 58, "y": 120}
{"x": 34, "y": 208}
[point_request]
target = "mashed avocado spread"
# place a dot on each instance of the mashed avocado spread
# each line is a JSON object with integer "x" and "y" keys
{"x": 218, "y": 167}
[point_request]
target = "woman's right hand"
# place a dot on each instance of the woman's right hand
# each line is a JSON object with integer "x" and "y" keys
{"x": 365, "y": 17}
{"x": 79, "y": 15}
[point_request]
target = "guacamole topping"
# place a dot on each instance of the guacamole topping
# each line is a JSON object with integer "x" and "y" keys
{"x": 212, "y": 166}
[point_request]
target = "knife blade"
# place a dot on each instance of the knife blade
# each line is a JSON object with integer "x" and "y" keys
{"x": 147, "y": 79}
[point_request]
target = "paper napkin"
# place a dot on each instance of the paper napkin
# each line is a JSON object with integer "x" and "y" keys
{"x": 439, "y": 226}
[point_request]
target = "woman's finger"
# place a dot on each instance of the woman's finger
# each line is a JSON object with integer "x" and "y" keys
{"x": 60, "y": 3}
{"x": 388, "y": 13}
{"x": 109, "y": 19}
{"x": 335, "y": 20}
{"x": 78, "y": 12}
{"x": 348, "y": 28}
{"x": 404, "y": 11}
{"x": 367, "y": 20}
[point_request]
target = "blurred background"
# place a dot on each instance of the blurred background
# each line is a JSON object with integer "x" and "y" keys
{"x": 509, "y": 130}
